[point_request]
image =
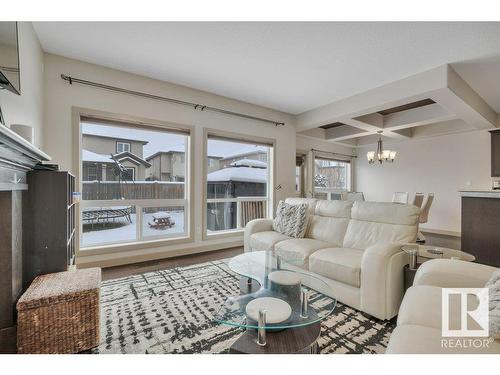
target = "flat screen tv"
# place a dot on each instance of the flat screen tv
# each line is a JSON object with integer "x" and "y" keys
{"x": 9, "y": 57}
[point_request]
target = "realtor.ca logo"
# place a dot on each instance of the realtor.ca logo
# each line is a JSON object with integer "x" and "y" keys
{"x": 465, "y": 322}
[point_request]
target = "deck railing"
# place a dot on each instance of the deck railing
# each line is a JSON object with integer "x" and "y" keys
{"x": 247, "y": 209}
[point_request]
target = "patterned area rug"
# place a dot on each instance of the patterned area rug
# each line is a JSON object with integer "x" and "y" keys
{"x": 171, "y": 311}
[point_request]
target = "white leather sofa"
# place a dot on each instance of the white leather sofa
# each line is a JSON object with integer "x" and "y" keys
{"x": 353, "y": 246}
{"x": 419, "y": 320}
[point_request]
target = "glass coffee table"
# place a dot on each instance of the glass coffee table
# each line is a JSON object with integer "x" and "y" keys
{"x": 418, "y": 254}
{"x": 280, "y": 305}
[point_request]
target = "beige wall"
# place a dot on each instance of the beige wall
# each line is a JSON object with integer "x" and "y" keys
{"x": 442, "y": 165}
{"x": 27, "y": 108}
{"x": 61, "y": 97}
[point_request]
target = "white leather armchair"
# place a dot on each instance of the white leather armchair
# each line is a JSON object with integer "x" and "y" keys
{"x": 420, "y": 315}
{"x": 447, "y": 273}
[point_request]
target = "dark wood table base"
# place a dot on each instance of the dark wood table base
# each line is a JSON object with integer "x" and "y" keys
{"x": 301, "y": 340}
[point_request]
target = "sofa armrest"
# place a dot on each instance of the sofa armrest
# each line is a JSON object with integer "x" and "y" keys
{"x": 449, "y": 273}
{"x": 255, "y": 226}
{"x": 382, "y": 280}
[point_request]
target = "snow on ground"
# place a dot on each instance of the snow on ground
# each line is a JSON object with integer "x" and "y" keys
{"x": 126, "y": 231}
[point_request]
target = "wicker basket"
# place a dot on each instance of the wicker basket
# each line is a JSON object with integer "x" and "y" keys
{"x": 59, "y": 313}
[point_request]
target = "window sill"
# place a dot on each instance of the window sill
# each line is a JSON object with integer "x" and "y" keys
{"x": 128, "y": 246}
{"x": 224, "y": 234}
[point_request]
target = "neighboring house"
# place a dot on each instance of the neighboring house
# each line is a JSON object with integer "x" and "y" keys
{"x": 260, "y": 155}
{"x": 170, "y": 165}
{"x": 167, "y": 166}
{"x": 242, "y": 178}
{"x": 99, "y": 154}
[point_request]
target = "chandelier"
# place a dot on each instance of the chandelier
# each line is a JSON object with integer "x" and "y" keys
{"x": 381, "y": 155}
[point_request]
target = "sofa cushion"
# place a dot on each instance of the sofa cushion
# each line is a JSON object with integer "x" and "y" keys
{"x": 298, "y": 250}
{"x": 493, "y": 285}
{"x": 375, "y": 222}
{"x": 329, "y": 222}
{"x": 291, "y": 219}
{"x": 386, "y": 212}
{"x": 422, "y": 306}
{"x": 311, "y": 203}
{"x": 415, "y": 339}
{"x": 339, "y": 264}
{"x": 363, "y": 234}
{"x": 341, "y": 209}
{"x": 266, "y": 240}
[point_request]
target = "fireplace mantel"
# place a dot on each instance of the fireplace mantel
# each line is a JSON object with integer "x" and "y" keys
{"x": 17, "y": 157}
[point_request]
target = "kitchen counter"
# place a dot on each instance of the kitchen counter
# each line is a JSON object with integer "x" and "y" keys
{"x": 478, "y": 193}
{"x": 480, "y": 223}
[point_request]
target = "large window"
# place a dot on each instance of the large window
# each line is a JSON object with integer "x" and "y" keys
{"x": 134, "y": 183}
{"x": 331, "y": 178}
{"x": 238, "y": 183}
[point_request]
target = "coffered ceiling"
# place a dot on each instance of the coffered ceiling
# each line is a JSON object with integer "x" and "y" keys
{"x": 435, "y": 102}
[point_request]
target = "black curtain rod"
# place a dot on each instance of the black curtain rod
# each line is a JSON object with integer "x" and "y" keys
{"x": 196, "y": 106}
{"x": 333, "y": 153}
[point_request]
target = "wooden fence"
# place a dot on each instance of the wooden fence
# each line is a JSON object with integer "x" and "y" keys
{"x": 107, "y": 190}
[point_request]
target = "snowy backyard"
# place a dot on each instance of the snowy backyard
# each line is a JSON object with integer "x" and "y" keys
{"x": 122, "y": 231}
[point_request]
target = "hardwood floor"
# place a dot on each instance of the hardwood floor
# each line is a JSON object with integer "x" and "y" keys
{"x": 151, "y": 266}
{"x": 442, "y": 240}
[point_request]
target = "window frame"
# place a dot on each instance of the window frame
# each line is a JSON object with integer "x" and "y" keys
{"x": 241, "y": 137}
{"x": 133, "y": 172}
{"x": 331, "y": 191}
{"x": 150, "y": 242}
{"x": 93, "y": 167}
{"x": 129, "y": 144}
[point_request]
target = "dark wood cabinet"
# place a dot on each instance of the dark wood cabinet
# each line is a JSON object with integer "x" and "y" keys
{"x": 495, "y": 153}
{"x": 49, "y": 224}
{"x": 480, "y": 229}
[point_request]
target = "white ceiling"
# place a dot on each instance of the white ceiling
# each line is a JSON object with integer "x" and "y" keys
{"x": 292, "y": 67}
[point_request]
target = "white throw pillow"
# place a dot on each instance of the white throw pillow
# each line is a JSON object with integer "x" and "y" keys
{"x": 494, "y": 316}
{"x": 291, "y": 219}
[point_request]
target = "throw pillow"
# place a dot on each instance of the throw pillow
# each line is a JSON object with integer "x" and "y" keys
{"x": 494, "y": 316}
{"x": 291, "y": 219}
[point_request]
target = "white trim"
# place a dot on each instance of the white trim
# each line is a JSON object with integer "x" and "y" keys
{"x": 133, "y": 172}
{"x": 271, "y": 173}
{"x": 187, "y": 203}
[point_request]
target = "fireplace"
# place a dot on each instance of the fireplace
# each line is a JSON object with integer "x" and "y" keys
{"x": 17, "y": 157}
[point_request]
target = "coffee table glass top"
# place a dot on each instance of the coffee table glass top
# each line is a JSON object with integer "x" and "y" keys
{"x": 282, "y": 290}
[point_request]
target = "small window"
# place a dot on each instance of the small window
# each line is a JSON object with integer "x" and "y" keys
{"x": 130, "y": 174}
{"x": 122, "y": 147}
{"x": 92, "y": 173}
